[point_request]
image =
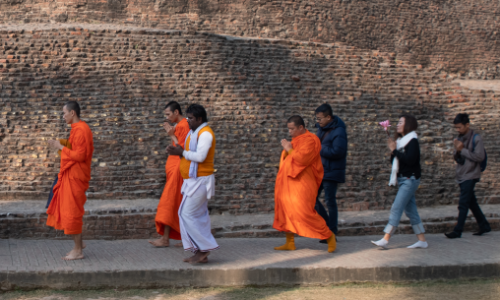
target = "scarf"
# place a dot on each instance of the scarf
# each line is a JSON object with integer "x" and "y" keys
{"x": 193, "y": 144}
{"x": 400, "y": 144}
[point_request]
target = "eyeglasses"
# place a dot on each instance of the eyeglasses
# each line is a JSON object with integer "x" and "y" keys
{"x": 319, "y": 119}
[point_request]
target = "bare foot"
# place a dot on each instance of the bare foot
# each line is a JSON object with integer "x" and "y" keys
{"x": 74, "y": 255}
{"x": 160, "y": 243}
{"x": 178, "y": 245}
{"x": 204, "y": 261}
{"x": 188, "y": 260}
{"x": 200, "y": 257}
{"x": 83, "y": 247}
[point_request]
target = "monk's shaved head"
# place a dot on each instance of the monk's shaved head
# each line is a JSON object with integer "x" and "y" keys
{"x": 296, "y": 126}
{"x": 73, "y": 105}
{"x": 173, "y": 106}
{"x": 297, "y": 121}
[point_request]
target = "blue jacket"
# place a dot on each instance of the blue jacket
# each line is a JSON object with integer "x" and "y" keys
{"x": 334, "y": 149}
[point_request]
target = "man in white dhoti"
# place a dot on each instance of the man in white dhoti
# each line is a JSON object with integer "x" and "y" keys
{"x": 197, "y": 169}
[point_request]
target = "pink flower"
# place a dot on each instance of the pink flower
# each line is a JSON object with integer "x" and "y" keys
{"x": 385, "y": 124}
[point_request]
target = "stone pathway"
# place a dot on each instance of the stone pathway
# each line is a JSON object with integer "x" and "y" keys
{"x": 136, "y": 264}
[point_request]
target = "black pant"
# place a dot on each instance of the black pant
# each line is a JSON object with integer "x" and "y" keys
{"x": 51, "y": 195}
{"x": 331, "y": 218}
{"x": 468, "y": 201}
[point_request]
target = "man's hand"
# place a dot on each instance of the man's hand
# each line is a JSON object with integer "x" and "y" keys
{"x": 175, "y": 150}
{"x": 458, "y": 145}
{"x": 286, "y": 145}
{"x": 55, "y": 145}
{"x": 391, "y": 144}
{"x": 169, "y": 129}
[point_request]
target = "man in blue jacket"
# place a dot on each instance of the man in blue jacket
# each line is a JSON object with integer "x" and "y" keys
{"x": 333, "y": 136}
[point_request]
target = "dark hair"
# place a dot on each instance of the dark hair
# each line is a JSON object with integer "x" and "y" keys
{"x": 297, "y": 120}
{"x": 461, "y": 119}
{"x": 73, "y": 105}
{"x": 173, "y": 106}
{"x": 326, "y": 109}
{"x": 198, "y": 111}
{"x": 411, "y": 124}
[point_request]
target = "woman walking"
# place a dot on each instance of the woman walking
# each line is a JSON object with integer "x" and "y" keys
{"x": 405, "y": 159}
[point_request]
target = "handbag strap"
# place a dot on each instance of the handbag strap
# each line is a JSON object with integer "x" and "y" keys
{"x": 326, "y": 134}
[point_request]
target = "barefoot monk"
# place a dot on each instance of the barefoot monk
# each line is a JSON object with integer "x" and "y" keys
{"x": 299, "y": 177}
{"x": 197, "y": 169}
{"x": 66, "y": 210}
{"x": 167, "y": 214}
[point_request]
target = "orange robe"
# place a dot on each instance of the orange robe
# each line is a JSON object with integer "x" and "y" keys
{"x": 167, "y": 212}
{"x": 297, "y": 184}
{"x": 66, "y": 210}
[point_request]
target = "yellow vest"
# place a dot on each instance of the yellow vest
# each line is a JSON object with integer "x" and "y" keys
{"x": 206, "y": 167}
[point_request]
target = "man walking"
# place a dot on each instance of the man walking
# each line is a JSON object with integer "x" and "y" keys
{"x": 298, "y": 179}
{"x": 167, "y": 213}
{"x": 469, "y": 154}
{"x": 333, "y": 136}
{"x": 66, "y": 209}
{"x": 197, "y": 170}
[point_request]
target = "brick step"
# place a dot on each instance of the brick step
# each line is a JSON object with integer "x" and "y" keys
{"x": 125, "y": 219}
{"x": 430, "y": 227}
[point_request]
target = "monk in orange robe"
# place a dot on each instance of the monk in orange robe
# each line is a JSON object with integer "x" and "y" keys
{"x": 167, "y": 213}
{"x": 297, "y": 183}
{"x": 66, "y": 210}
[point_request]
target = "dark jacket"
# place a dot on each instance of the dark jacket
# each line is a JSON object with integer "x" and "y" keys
{"x": 333, "y": 149}
{"x": 468, "y": 161}
{"x": 409, "y": 159}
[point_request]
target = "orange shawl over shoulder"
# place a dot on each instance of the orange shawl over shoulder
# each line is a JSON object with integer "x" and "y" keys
{"x": 66, "y": 209}
{"x": 171, "y": 198}
{"x": 297, "y": 184}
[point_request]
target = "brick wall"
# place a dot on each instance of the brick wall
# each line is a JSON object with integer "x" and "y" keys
{"x": 460, "y": 36}
{"x": 123, "y": 76}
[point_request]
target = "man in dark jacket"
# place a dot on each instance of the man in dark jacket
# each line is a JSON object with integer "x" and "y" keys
{"x": 469, "y": 154}
{"x": 333, "y": 136}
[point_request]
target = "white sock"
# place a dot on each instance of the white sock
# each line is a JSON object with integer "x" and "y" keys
{"x": 381, "y": 243}
{"x": 419, "y": 244}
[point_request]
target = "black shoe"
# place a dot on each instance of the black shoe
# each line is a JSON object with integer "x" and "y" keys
{"x": 453, "y": 235}
{"x": 482, "y": 231}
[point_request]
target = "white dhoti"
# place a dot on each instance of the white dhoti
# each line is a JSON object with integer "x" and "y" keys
{"x": 194, "y": 221}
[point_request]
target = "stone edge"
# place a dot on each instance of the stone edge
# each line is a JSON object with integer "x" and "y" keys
{"x": 193, "y": 277}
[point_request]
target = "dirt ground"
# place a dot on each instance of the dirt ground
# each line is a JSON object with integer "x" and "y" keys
{"x": 479, "y": 289}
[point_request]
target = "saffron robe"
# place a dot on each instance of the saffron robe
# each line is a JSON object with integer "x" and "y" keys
{"x": 65, "y": 143}
{"x": 171, "y": 198}
{"x": 297, "y": 184}
{"x": 66, "y": 210}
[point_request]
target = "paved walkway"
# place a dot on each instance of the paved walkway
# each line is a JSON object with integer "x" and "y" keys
{"x": 135, "y": 264}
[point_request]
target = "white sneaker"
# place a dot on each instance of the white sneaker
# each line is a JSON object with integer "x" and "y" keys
{"x": 419, "y": 244}
{"x": 381, "y": 243}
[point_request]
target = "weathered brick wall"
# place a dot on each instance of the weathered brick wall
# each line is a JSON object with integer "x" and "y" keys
{"x": 462, "y": 36}
{"x": 123, "y": 78}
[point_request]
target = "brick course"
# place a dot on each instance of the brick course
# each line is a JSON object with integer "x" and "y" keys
{"x": 123, "y": 76}
{"x": 460, "y": 36}
{"x": 140, "y": 224}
